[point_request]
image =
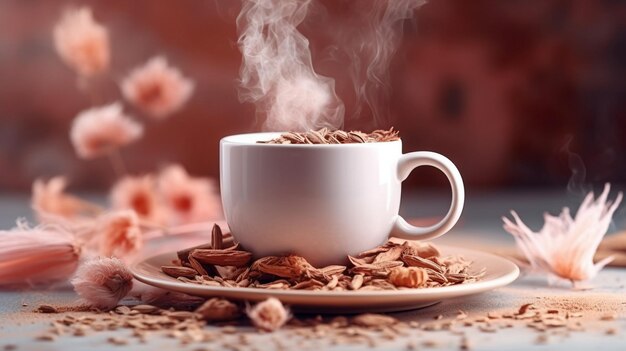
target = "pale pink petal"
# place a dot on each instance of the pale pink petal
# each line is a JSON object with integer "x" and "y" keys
{"x": 81, "y": 42}
{"x": 42, "y": 254}
{"x": 103, "y": 282}
{"x": 188, "y": 199}
{"x": 118, "y": 234}
{"x": 138, "y": 194}
{"x": 100, "y": 130}
{"x": 157, "y": 88}
{"x": 565, "y": 247}
{"x": 50, "y": 199}
{"x": 269, "y": 315}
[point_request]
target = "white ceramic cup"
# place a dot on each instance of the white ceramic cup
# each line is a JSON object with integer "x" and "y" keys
{"x": 322, "y": 202}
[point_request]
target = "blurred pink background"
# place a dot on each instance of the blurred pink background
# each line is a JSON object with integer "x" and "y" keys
{"x": 516, "y": 93}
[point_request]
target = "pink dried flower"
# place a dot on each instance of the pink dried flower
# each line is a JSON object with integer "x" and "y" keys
{"x": 50, "y": 198}
{"x": 81, "y": 42}
{"x": 103, "y": 282}
{"x": 99, "y": 130}
{"x": 157, "y": 88}
{"x": 188, "y": 199}
{"x": 118, "y": 234}
{"x": 565, "y": 246}
{"x": 42, "y": 254}
{"x": 138, "y": 194}
{"x": 269, "y": 315}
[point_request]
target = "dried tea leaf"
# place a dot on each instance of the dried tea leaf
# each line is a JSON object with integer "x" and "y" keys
{"x": 357, "y": 282}
{"x": 179, "y": 271}
{"x": 183, "y": 255}
{"x": 332, "y": 270}
{"x": 283, "y": 266}
{"x": 333, "y": 282}
{"x": 416, "y": 261}
{"x": 197, "y": 266}
{"x": 222, "y": 257}
{"x": 374, "y": 320}
{"x": 218, "y": 310}
{"x": 375, "y": 251}
{"x": 145, "y": 309}
{"x": 308, "y": 284}
{"x": 417, "y": 248}
{"x": 47, "y": 309}
{"x": 393, "y": 254}
{"x": 324, "y": 136}
{"x": 436, "y": 276}
{"x": 524, "y": 308}
{"x": 217, "y": 237}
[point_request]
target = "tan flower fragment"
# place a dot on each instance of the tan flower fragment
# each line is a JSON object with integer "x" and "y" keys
{"x": 269, "y": 315}
{"x": 82, "y": 43}
{"x": 565, "y": 246}
{"x": 409, "y": 277}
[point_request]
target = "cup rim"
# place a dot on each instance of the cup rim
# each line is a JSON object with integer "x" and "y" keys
{"x": 253, "y": 138}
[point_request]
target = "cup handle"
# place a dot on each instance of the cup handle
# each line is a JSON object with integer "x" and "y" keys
{"x": 406, "y": 164}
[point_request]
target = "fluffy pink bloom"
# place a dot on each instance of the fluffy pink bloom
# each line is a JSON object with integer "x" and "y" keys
{"x": 50, "y": 198}
{"x": 99, "y": 130}
{"x": 81, "y": 42}
{"x": 103, "y": 282}
{"x": 157, "y": 88}
{"x": 188, "y": 199}
{"x": 138, "y": 194}
{"x": 118, "y": 234}
{"x": 565, "y": 246}
{"x": 269, "y": 315}
{"x": 39, "y": 255}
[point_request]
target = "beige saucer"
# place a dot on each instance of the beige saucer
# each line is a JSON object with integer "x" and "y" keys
{"x": 500, "y": 272}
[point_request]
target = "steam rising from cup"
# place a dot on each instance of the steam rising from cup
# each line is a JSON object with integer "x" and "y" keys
{"x": 277, "y": 72}
{"x": 369, "y": 47}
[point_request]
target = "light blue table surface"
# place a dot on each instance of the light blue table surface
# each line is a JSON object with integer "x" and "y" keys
{"x": 480, "y": 224}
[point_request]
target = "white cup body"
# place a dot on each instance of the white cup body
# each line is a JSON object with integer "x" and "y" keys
{"x": 322, "y": 202}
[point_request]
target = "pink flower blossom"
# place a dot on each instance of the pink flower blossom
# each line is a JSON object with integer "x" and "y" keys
{"x": 100, "y": 130}
{"x": 81, "y": 42}
{"x": 188, "y": 199}
{"x": 157, "y": 88}
{"x": 103, "y": 282}
{"x": 269, "y": 315}
{"x": 565, "y": 246}
{"x": 42, "y": 254}
{"x": 138, "y": 194}
{"x": 118, "y": 234}
{"x": 50, "y": 198}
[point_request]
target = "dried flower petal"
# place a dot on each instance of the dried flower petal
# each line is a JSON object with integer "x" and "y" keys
{"x": 49, "y": 198}
{"x": 565, "y": 246}
{"x": 138, "y": 194}
{"x": 100, "y": 130}
{"x": 269, "y": 315}
{"x": 157, "y": 88}
{"x": 188, "y": 199}
{"x": 82, "y": 42}
{"x": 218, "y": 310}
{"x": 103, "y": 282}
{"x": 42, "y": 254}
{"x": 119, "y": 234}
